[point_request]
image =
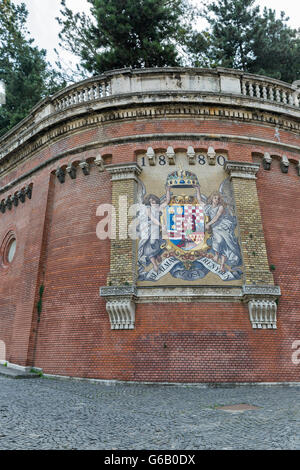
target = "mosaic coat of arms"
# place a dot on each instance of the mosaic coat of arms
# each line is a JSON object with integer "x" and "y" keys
{"x": 188, "y": 234}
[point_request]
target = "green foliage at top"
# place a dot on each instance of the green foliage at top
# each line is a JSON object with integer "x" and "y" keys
{"x": 27, "y": 75}
{"x": 143, "y": 33}
{"x": 126, "y": 33}
{"x": 240, "y": 37}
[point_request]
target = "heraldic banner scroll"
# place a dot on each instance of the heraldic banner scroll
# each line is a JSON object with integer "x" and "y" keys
{"x": 187, "y": 226}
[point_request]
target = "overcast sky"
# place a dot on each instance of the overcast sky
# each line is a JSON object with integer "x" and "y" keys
{"x": 44, "y": 28}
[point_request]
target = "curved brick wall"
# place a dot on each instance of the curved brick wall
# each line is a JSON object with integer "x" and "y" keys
{"x": 57, "y": 247}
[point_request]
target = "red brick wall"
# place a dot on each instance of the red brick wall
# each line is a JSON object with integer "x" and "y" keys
{"x": 58, "y": 248}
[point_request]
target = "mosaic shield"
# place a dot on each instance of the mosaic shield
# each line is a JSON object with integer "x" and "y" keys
{"x": 185, "y": 226}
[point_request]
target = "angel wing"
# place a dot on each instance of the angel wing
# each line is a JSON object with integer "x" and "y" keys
{"x": 141, "y": 192}
{"x": 226, "y": 191}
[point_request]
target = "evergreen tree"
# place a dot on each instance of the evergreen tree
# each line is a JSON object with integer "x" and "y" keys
{"x": 276, "y": 48}
{"x": 240, "y": 37}
{"x": 125, "y": 33}
{"x": 234, "y": 24}
{"x": 23, "y": 67}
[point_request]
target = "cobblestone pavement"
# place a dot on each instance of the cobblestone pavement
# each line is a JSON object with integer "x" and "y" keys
{"x": 66, "y": 414}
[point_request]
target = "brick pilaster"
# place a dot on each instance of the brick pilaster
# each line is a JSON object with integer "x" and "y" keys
{"x": 123, "y": 249}
{"x": 255, "y": 259}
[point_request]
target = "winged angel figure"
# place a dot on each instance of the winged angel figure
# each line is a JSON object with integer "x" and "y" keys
{"x": 149, "y": 227}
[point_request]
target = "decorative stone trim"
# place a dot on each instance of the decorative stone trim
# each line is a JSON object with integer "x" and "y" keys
{"x": 258, "y": 291}
{"x": 121, "y": 301}
{"x": 120, "y": 306}
{"x": 284, "y": 164}
{"x": 99, "y": 162}
{"x": 28, "y": 191}
{"x": 71, "y": 169}
{"x": 263, "y": 314}
{"x": 13, "y": 200}
{"x": 121, "y": 314}
{"x": 124, "y": 171}
{"x": 85, "y": 168}
{"x": 170, "y": 154}
{"x": 262, "y": 305}
{"x": 191, "y": 154}
{"x": 242, "y": 170}
{"x": 151, "y": 156}
{"x": 8, "y": 203}
{"x": 188, "y": 294}
{"x": 211, "y": 156}
{"x": 267, "y": 161}
{"x": 60, "y": 175}
{"x": 21, "y": 195}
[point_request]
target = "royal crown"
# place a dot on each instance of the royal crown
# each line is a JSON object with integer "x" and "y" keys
{"x": 182, "y": 179}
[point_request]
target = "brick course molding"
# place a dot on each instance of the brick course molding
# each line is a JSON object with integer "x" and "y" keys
{"x": 202, "y": 166}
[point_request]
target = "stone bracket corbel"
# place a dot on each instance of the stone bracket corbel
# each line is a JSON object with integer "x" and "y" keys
{"x": 211, "y": 156}
{"x": 151, "y": 156}
{"x": 262, "y": 304}
{"x": 120, "y": 306}
{"x": 171, "y": 156}
{"x": 267, "y": 161}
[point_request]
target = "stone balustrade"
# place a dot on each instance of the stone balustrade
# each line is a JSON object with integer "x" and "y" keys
{"x": 82, "y": 94}
{"x": 170, "y": 84}
{"x": 269, "y": 90}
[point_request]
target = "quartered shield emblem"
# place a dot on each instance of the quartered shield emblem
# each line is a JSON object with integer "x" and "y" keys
{"x": 185, "y": 224}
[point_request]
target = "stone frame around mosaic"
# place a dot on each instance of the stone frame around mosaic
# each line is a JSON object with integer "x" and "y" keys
{"x": 258, "y": 292}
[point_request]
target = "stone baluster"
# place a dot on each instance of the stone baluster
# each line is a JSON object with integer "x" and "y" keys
{"x": 107, "y": 89}
{"x": 265, "y": 94}
{"x": 244, "y": 88}
{"x": 257, "y": 90}
{"x": 284, "y": 97}
{"x": 251, "y": 90}
{"x": 271, "y": 93}
{"x": 278, "y": 97}
{"x": 85, "y": 94}
{"x": 80, "y": 95}
{"x": 96, "y": 92}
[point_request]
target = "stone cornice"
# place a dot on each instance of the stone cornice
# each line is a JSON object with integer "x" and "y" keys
{"x": 244, "y": 170}
{"x": 176, "y": 87}
{"x": 124, "y": 171}
{"x": 257, "y": 292}
{"x": 24, "y": 147}
{"x": 110, "y": 292}
{"x": 190, "y": 294}
{"x": 175, "y": 294}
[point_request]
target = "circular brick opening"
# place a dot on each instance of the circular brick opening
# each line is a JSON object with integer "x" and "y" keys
{"x": 8, "y": 249}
